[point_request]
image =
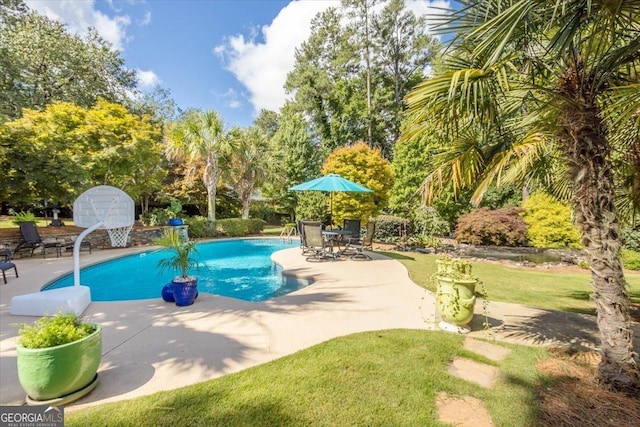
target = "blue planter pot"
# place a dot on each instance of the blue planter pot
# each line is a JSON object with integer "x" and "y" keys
{"x": 175, "y": 222}
{"x": 185, "y": 293}
{"x": 167, "y": 293}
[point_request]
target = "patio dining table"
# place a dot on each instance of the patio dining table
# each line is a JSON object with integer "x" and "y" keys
{"x": 336, "y": 237}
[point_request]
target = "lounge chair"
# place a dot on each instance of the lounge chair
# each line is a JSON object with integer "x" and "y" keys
{"x": 315, "y": 244}
{"x": 7, "y": 264}
{"x": 356, "y": 246}
{"x": 31, "y": 240}
{"x": 68, "y": 245}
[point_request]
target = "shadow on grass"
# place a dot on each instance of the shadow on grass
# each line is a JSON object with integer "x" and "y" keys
{"x": 557, "y": 329}
{"x": 395, "y": 255}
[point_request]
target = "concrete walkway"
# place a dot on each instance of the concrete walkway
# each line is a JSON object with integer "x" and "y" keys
{"x": 150, "y": 345}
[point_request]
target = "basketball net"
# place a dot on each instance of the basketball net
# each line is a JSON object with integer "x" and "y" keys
{"x": 119, "y": 236}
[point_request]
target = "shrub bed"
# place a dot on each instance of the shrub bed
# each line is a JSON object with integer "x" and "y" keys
{"x": 499, "y": 227}
{"x": 390, "y": 228}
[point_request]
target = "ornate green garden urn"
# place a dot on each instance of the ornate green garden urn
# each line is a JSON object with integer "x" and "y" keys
{"x": 455, "y": 294}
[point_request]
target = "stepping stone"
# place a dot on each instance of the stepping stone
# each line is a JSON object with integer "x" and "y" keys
{"x": 490, "y": 351}
{"x": 462, "y": 411}
{"x": 468, "y": 370}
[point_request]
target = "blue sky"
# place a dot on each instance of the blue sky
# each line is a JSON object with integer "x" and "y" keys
{"x": 231, "y": 56}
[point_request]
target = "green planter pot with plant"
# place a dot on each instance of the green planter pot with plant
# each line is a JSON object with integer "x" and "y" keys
{"x": 58, "y": 359}
{"x": 455, "y": 294}
{"x": 180, "y": 258}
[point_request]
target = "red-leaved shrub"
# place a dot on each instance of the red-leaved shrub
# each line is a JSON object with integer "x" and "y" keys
{"x": 499, "y": 227}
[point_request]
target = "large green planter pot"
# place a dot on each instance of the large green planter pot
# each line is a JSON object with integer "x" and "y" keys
{"x": 58, "y": 375}
{"x": 455, "y": 299}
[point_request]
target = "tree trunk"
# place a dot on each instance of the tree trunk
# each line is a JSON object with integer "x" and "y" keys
{"x": 210, "y": 178}
{"x": 245, "y": 209}
{"x": 587, "y": 149}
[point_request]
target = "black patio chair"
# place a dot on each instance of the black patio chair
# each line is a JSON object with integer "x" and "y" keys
{"x": 7, "y": 264}
{"x": 353, "y": 226}
{"x": 303, "y": 242}
{"x": 315, "y": 244}
{"x": 356, "y": 246}
{"x": 31, "y": 240}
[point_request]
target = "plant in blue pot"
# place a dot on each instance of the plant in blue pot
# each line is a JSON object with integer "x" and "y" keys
{"x": 174, "y": 209}
{"x": 180, "y": 258}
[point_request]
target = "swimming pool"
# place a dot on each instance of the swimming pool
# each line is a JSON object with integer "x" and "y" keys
{"x": 239, "y": 269}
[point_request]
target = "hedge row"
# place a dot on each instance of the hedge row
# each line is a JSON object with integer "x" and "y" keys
{"x": 232, "y": 227}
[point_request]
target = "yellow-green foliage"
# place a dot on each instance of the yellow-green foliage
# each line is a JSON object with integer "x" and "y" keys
{"x": 631, "y": 259}
{"x": 549, "y": 223}
{"x": 366, "y": 166}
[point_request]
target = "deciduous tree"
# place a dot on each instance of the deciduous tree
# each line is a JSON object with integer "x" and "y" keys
{"x": 365, "y": 166}
{"x": 42, "y": 62}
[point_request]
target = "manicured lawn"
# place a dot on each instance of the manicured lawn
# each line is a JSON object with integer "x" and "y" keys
{"x": 272, "y": 230}
{"x": 386, "y": 378}
{"x": 537, "y": 288}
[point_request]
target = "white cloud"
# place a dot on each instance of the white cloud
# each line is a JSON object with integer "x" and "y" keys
{"x": 147, "y": 79}
{"x": 231, "y": 99}
{"x": 262, "y": 67}
{"x": 146, "y": 20}
{"x": 428, "y": 8}
{"x": 80, "y": 15}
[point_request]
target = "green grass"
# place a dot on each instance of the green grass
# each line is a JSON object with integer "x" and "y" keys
{"x": 272, "y": 230}
{"x": 386, "y": 378}
{"x": 542, "y": 289}
{"x": 41, "y": 222}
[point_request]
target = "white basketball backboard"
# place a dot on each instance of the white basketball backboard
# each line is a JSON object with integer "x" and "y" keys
{"x": 104, "y": 203}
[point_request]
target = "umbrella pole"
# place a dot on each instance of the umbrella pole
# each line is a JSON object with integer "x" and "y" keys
{"x": 331, "y": 208}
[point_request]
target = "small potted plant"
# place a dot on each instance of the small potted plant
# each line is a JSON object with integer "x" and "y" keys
{"x": 173, "y": 210}
{"x": 58, "y": 358}
{"x": 455, "y": 294}
{"x": 181, "y": 259}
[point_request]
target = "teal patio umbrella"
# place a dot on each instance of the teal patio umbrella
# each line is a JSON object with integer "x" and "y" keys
{"x": 331, "y": 183}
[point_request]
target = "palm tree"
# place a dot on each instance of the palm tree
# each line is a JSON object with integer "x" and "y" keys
{"x": 200, "y": 136}
{"x": 245, "y": 164}
{"x": 527, "y": 81}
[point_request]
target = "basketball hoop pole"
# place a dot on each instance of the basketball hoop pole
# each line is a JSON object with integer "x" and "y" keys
{"x": 76, "y": 252}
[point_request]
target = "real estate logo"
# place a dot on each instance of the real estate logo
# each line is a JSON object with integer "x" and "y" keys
{"x": 31, "y": 416}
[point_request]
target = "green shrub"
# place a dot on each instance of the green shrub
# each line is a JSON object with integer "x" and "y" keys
{"x": 499, "y": 227}
{"x": 549, "y": 223}
{"x": 20, "y": 217}
{"x": 156, "y": 216}
{"x": 200, "y": 227}
{"x": 265, "y": 211}
{"x": 231, "y": 227}
{"x": 53, "y": 331}
{"x": 631, "y": 238}
{"x": 390, "y": 228}
{"x": 425, "y": 241}
{"x": 255, "y": 225}
{"x": 631, "y": 259}
{"x": 428, "y": 222}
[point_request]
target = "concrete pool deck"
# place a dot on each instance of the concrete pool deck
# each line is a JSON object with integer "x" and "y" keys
{"x": 150, "y": 345}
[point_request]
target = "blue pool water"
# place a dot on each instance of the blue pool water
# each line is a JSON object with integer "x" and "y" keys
{"x": 234, "y": 268}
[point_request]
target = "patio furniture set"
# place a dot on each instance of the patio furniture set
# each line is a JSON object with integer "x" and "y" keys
{"x": 320, "y": 244}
